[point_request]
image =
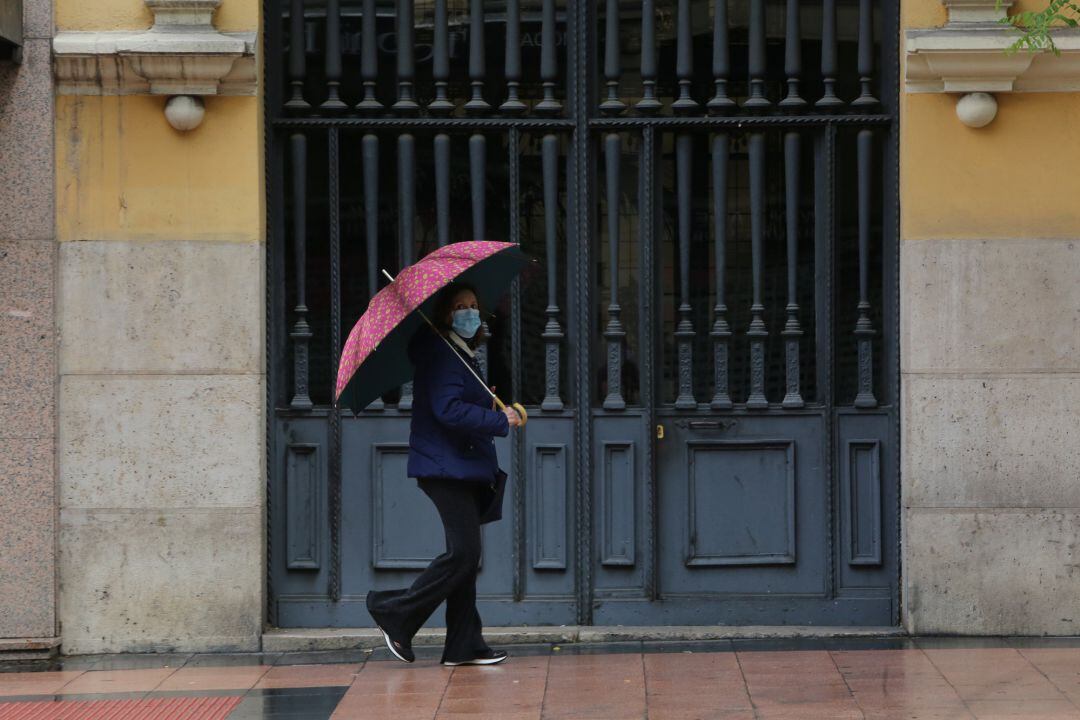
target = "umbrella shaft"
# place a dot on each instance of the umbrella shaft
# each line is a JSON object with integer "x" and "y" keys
{"x": 501, "y": 405}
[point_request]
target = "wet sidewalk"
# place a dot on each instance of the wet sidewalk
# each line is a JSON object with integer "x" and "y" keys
{"x": 932, "y": 678}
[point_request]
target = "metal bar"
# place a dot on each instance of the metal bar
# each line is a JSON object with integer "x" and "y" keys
{"x": 369, "y": 58}
{"x": 648, "y": 103}
{"x": 421, "y": 123}
{"x": 517, "y": 447}
{"x": 866, "y": 54}
{"x": 477, "y": 165}
{"x": 757, "y": 333}
{"x": 334, "y": 434}
{"x": 553, "y": 333}
{"x": 297, "y": 57}
{"x": 829, "y": 100}
{"x": 301, "y": 331}
{"x": 684, "y": 333}
{"x": 602, "y": 123}
{"x": 825, "y": 229}
{"x": 755, "y": 121}
{"x": 823, "y": 238}
{"x": 440, "y": 53}
{"x": 614, "y": 333}
{"x": 684, "y": 58}
{"x": 477, "y": 67}
{"x": 757, "y": 99}
{"x": 406, "y": 161}
{"x": 889, "y": 386}
{"x": 647, "y": 348}
{"x": 890, "y": 286}
{"x": 579, "y": 65}
{"x": 513, "y": 103}
{"x": 406, "y": 60}
{"x": 864, "y": 328}
{"x": 549, "y": 66}
{"x": 442, "y": 188}
{"x": 274, "y": 319}
{"x": 721, "y": 330}
{"x": 792, "y": 58}
{"x": 478, "y": 194}
{"x": 792, "y": 330}
{"x": 333, "y": 57}
{"x": 612, "y": 69}
{"x": 721, "y": 61}
{"x": 369, "y": 160}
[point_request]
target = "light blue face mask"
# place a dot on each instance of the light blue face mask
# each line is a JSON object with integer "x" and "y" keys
{"x": 466, "y": 322}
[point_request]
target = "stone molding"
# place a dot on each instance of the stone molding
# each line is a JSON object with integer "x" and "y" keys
{"x": 182, "y": 54}
{"x": 970, "y": 55}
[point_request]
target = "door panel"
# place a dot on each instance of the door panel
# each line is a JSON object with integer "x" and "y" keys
{"x": 748, "y": 513}
{"x": 747, "y": 520}
{"x": 621, "y": 505}
{"x": 394, "y": 544}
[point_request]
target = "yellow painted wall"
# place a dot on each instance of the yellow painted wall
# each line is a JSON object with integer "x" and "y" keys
{"x": 932, "y": 13}
{"x": 133, "y": 14}
{"x": 922, "y": 14}
{"x": 1011, "y": 179}
{"x": 123, "y": 173}
{"x": 1014, "y": 178}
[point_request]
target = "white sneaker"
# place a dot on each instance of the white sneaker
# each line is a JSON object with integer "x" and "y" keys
{"x": 496, "y": 656}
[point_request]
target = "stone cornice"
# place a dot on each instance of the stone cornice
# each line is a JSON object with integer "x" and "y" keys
{"x": 973, "y": 57}
{"x": 155, "y": 63}
{"x": 182, "y": 54}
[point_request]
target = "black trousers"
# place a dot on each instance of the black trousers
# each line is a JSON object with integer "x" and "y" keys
{"x": 450, "y": 577}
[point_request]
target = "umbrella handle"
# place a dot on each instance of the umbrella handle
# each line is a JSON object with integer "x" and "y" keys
{"x": 516, "y": 407}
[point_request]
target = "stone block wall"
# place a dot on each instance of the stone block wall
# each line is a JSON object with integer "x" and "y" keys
{"x": 161, "y": 383}
{"x": 990, "y": 354}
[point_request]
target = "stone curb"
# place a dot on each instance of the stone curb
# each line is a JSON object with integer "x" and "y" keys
{"x": 29, "y": 648}
{"x": 301, "y": 640}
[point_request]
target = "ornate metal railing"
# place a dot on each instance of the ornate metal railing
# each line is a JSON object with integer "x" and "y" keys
{"x": 748, "y": 267}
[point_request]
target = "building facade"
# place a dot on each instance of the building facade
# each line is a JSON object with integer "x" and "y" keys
{"x": 801, "y": 349}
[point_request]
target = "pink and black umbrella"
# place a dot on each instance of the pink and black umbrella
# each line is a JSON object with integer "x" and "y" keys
{"x": 375, "y": 358}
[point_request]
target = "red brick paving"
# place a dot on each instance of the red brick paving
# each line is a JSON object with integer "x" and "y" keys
{"x": 174, "y": 708}
{"x": 895, "y": 684}
{"x": 908, "y": 684}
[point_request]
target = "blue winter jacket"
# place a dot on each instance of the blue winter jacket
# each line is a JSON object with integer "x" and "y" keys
{"x": 452, "y": 420}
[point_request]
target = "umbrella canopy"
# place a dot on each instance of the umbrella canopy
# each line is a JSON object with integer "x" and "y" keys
{"x": 375, "y": 358}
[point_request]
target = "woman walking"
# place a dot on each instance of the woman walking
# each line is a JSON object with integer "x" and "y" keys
{"x": 452, "y": 455}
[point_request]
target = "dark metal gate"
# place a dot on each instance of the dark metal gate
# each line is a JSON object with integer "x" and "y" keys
{"x": 709, "y": 354}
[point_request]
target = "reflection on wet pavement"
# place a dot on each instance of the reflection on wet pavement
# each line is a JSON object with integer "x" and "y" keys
{"x": 800, "y": 678}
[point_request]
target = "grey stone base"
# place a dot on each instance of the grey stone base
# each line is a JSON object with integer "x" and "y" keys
{"x": 347, "y": 638}
{"x": 29, "y": 648}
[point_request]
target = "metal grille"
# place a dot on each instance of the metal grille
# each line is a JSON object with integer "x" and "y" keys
{"x": 710, "y": 187}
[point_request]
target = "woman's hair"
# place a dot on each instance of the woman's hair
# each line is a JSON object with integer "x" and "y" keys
{"x": 444, "y": 304}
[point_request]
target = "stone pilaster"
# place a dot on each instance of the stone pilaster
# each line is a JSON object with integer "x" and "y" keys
{"x": 27, "y": 345}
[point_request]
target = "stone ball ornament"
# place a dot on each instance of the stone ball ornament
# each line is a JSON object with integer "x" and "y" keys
{"x": 977, "y": 109}
{"x": 185, "y": 112}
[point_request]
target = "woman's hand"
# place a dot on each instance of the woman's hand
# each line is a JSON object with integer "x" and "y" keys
{"x": 512, "y": 417}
